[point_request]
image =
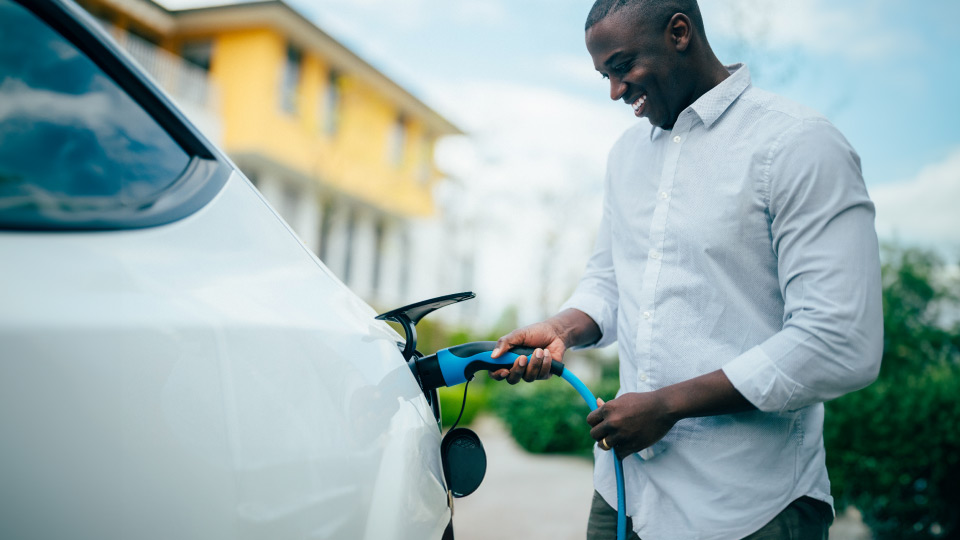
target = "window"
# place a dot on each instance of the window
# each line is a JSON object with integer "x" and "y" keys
{"x": 291, "y": 80}
{"x": 192, "y": 81}
{"x": 397, "y": 140}
{"x": 77, "y": 151}
{"x": 198, "y": 53}
{"x": 331, "y": 109}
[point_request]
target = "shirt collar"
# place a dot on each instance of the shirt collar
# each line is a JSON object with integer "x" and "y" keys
{"x": 715, "y": 102}
{"x": 710, "y": 106}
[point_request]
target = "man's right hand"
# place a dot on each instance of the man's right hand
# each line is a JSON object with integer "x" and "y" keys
{"x": 548, "y": 344}
{"x": 550, "y": 339}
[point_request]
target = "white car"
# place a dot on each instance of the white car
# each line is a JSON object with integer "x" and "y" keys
{"x": 174, "y": 363}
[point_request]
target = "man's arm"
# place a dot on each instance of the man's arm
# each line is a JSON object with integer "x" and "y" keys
{"x": 828, "y": 264}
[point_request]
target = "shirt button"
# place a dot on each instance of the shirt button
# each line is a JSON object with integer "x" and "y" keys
{"x": 643, "y": 376}
{"x": 647, "y": 315}
{"x": 663, "y": 195}
{"x": 676, "y": 138}
{"x": 654, "y": 254}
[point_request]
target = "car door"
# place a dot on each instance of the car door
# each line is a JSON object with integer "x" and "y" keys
{"x": 174, "y": 363}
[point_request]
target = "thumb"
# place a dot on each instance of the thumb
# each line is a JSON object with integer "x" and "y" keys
{"x": 506, "y": 343}
{"x": 600, "y": 402}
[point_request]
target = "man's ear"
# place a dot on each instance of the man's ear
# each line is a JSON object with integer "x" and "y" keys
{"x": 680, "y": 31}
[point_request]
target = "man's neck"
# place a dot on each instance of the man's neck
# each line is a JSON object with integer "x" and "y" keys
{"x": 714, "y": 73}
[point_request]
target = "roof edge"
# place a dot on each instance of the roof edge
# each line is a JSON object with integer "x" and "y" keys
{"x": 308, "y": 35}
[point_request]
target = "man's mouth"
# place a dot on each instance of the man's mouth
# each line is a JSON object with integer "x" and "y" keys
{"x": 637, "y": 105}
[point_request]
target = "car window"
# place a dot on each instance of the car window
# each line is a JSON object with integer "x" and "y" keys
{"x": 73, "y": 144}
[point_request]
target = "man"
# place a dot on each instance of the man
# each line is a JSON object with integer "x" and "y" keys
{"x": 737, "y": 266}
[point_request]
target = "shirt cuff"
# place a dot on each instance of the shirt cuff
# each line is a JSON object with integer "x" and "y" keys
{"x": 757, "y": 377}
{"x": 600, "y": 311}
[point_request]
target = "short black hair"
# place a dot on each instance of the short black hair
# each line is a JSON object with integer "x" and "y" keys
{"x": 658, "y": 11}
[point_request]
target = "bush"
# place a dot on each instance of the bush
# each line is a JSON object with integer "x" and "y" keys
{"x": 893, "y": 449}
{"x": 452, "y": 398}
{"x": 548, "y": 416}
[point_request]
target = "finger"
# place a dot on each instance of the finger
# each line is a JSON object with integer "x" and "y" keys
{"x": 605, "y": 444}
{"x": 499, "y": 374}
{"x": 595, "y": 416}
{"x": 533, "y": 368}
{"x": 600, "y": 431}
{"x": 516, "y": 372}
{"x": 545, "y": 365}
{"x": 600, "y": 402}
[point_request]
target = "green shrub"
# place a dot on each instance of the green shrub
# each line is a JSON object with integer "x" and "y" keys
{"x": 893, "y": 449}
{"x": 548, "y": 416}
{"x": 452, "y": 398}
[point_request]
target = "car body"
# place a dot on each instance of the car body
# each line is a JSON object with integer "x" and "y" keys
{"x": 174, "y": 362}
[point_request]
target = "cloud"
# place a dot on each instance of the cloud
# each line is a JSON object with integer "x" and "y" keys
{"x": 516, "y": 124}
{"x": 410, "y": 15}
{"x": 531, "y": 172}
{"x": 479, "y": 11}
{"x": 577, "y": 69}
{"x": 845, "y": 28}
{"x": 924, "y": 209}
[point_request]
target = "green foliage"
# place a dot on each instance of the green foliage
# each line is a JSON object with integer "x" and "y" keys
{"x": 548, "y": 416}
{"x": 893, "y": 449}
{"x": 452, "y": 398}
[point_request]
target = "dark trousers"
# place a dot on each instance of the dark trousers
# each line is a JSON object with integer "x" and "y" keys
{"x": 805, "y": 519}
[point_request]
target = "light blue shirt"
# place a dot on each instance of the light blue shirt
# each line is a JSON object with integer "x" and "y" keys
{"x": 743, "y": 239}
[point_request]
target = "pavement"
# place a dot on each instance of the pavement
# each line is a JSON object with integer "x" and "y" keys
{"x": 547, "y": 496}
{"x": 524, "y": 495}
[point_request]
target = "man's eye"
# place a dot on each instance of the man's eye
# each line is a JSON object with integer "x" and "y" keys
{"x": 622, "y": 68}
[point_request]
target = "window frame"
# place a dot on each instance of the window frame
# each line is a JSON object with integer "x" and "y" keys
{"x": 290, "y": 79}
{"x": 332, "y": 103}
{"x": 206, "y": 172}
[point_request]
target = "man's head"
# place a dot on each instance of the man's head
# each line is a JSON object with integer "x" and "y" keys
{"x": 655, "y": 54}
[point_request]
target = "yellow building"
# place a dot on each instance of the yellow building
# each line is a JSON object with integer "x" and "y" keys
{"x": 340, "y": 150}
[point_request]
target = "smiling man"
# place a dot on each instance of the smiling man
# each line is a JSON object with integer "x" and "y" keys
{"x": 737, "y": 267}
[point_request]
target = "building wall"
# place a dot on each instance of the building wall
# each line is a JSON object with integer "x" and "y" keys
{"x": 355, "y": 197}
{"x": 248, "y": 67}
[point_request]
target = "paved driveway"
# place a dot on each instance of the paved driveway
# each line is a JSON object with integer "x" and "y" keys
{"x": 524, "y": 495}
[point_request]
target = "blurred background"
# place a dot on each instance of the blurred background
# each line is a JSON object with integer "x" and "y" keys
{"x": 425, "y": 147}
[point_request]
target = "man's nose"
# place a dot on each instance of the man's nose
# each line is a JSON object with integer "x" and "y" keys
{"x": 617, "y": 88}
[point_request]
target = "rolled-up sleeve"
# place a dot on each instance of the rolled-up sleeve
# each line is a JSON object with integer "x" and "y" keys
{"x": 596, "y": 293}
{"x": 824, "y": 237}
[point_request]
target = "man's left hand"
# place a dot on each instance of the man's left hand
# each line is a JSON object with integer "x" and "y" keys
{"x": 631, "y": 422}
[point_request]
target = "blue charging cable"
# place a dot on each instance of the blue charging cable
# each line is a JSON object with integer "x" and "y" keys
{"x": 588, "y": 396}
{"x": 457, "y": 365}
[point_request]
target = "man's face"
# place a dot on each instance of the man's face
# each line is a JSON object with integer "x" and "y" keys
{"x": 641, "y": 65}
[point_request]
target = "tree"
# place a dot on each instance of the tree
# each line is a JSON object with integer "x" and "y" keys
{"x": 893, "y": 449}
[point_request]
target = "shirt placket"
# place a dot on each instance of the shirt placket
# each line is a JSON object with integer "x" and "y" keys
{"x": 647, "y": 375}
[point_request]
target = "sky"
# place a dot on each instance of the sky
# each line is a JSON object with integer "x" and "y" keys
{"x": 515, "y": 75}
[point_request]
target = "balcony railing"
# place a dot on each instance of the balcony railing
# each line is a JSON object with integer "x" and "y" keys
{"x": 189, "y": 85}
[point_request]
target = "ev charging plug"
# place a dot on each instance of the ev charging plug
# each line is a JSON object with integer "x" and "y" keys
{"x": 458, "y": 364}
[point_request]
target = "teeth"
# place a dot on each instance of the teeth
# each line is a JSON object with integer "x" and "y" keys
{"x": 638, "y": 103}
